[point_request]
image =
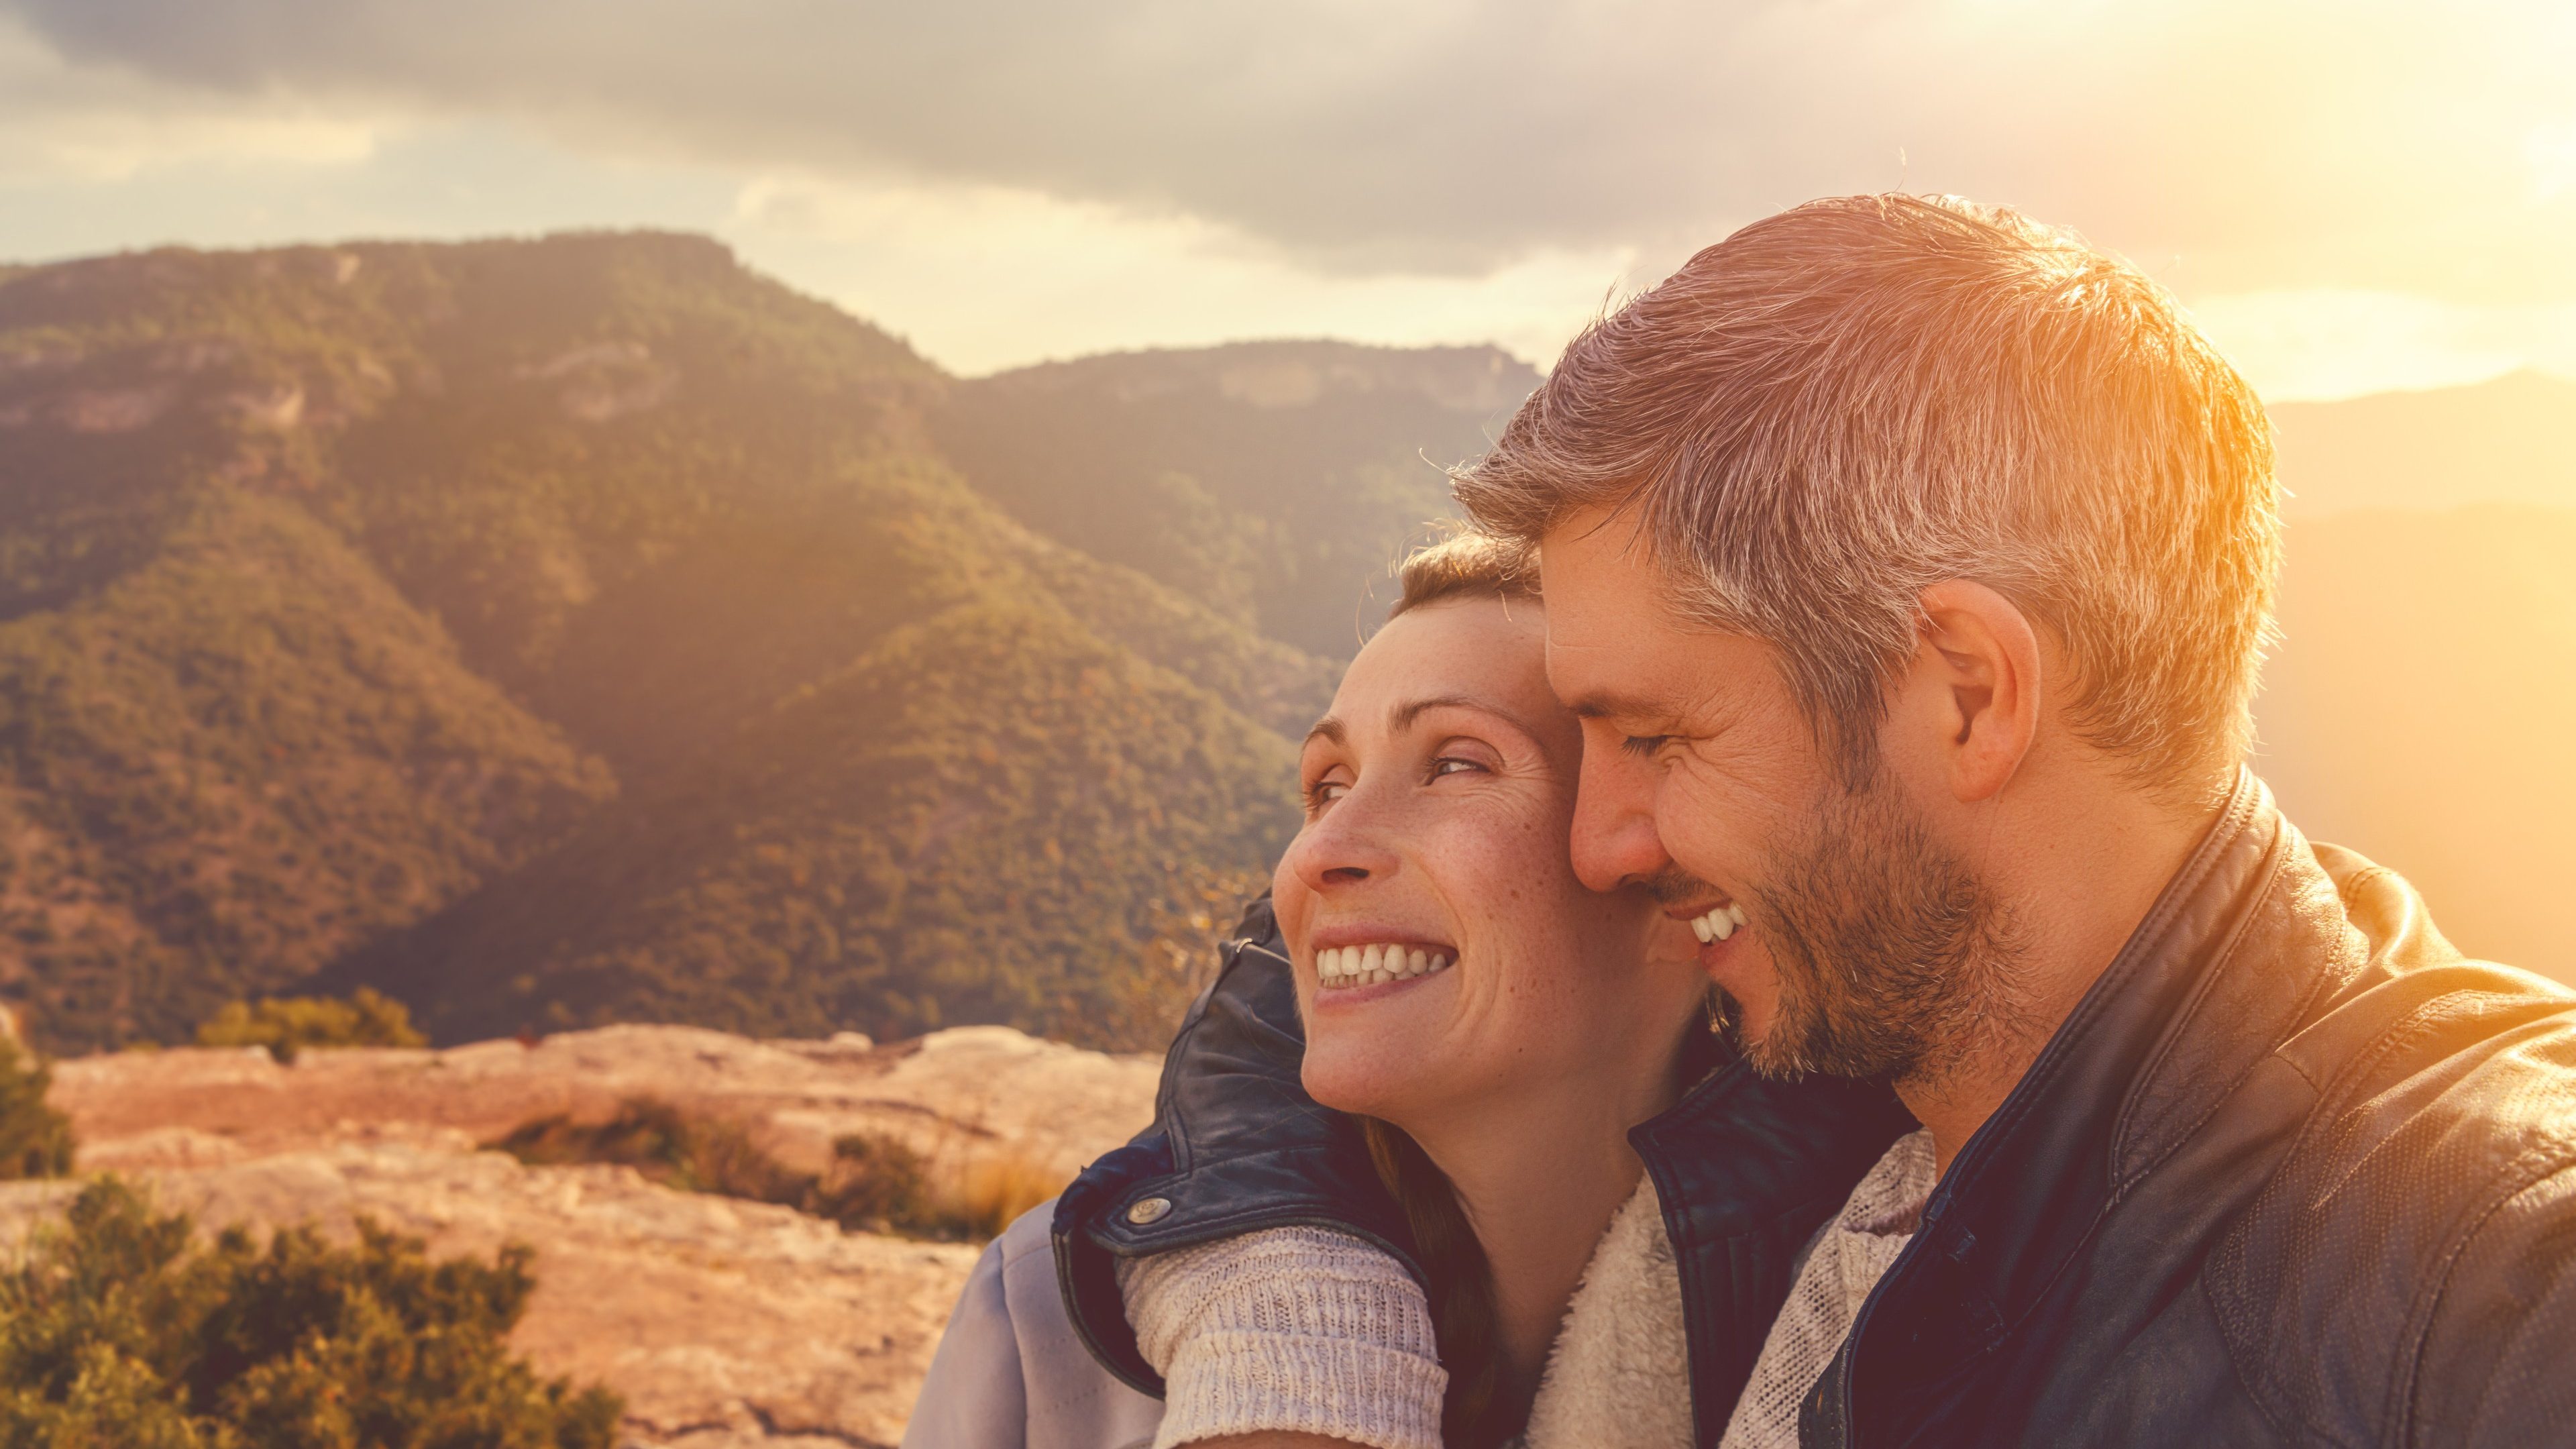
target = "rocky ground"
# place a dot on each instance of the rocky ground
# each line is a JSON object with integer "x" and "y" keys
{"x": 724, "y": 1323}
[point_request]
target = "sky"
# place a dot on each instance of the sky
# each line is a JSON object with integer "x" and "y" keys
{"x": 2352, "y": 196}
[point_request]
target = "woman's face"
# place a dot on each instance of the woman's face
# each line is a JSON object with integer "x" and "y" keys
{"x": 1447, "y": 958}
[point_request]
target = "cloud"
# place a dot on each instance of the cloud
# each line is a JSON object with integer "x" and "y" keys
{"x": 2230, "y": 147}
{"x": 62, "y": 124}
{"x": 987, "y": 277}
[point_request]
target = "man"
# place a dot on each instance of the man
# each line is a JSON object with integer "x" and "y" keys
{"x": 1910, "y": 565}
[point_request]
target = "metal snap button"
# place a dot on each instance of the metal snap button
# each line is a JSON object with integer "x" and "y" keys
{"x": 1149, "y": 1210}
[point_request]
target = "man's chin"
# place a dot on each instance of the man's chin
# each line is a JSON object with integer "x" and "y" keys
{"x": 1749, "y": 1032}
{"x": 1749, "y": 1018}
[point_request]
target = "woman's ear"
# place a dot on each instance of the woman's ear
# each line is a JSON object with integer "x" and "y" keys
{"x": 1974, "y": 687}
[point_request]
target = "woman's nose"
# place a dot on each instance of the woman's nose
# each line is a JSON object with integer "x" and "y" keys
{"x": 1343, "y": 847}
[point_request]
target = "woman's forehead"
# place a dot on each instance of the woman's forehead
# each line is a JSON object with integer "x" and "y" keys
{"x": 1477, "y": 653}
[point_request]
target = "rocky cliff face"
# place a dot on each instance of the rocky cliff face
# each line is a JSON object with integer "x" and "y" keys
{"x": 725, "y": 1323}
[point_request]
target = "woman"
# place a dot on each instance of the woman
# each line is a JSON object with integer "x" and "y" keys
{"x": 1482, "y": 1010}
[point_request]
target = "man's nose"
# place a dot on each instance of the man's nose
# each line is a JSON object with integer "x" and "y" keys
{"x": 1615, "y": 842}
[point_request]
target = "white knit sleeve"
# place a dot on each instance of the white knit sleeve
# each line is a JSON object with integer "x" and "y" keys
{"x": 1301, "y": 1330}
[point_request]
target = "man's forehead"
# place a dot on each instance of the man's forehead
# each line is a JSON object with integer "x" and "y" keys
{"x": 1601, "y": 585}
{"x": 1617, "y": 643}
{"x": 1602, "y": 680}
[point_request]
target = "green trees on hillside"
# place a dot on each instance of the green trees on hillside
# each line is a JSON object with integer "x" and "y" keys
{"x": 225, "y": 767}
{"x": 984, "y": 819}
{"x": 587, "y": 628}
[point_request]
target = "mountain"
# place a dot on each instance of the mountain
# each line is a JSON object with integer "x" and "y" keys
{"x": 2418, "y": 711}
{"x": 1270, "y": 480}
{"x": 558, "y": 631}
{"x": 2510, "y": 440}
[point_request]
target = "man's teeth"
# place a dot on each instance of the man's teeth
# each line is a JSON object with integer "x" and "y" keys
{"x": 1371, "y": 965}
{"x": 1718, "y": 924}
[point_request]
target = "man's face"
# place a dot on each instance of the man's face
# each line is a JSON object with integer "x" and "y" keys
{"x": 1866, "y": 945}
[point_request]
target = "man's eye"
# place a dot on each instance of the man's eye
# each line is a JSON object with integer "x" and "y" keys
{"x": 1644, "y": 746}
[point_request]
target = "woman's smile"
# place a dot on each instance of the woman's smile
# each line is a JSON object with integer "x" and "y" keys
{"x": 1349, "y": 958}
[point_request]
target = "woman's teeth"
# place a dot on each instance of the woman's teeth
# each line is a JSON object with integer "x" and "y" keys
{"x": 1371, "y": 965}
{"x": 1718, "y": 924}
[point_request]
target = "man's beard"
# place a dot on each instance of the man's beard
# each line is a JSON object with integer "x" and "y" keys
{"x": 1894, "y": 959}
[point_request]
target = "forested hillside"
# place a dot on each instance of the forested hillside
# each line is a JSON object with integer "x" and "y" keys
{"x": 576, "y": 629}
{"x": 1264, "y": 479}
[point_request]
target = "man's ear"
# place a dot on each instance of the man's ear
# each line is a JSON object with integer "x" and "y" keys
{"x": 1976, "y": 677}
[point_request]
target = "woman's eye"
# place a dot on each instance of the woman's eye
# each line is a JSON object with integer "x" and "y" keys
{"x": 1325, "y": 792}
{"x": 1452, "y": 764}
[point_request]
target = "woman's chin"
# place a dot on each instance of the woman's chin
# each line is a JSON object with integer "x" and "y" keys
{"x": 1368, "y": 1047}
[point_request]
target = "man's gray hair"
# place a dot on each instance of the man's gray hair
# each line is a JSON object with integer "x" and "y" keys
{"x": 1836, "y": 407}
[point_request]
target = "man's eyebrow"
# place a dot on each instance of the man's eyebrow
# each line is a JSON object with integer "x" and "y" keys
{"x": 1602, "y": 704}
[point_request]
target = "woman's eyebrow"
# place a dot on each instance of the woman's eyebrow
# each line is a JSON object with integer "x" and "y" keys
{"x": 1329, "y": 728}
{"x": 1402, "y": 716}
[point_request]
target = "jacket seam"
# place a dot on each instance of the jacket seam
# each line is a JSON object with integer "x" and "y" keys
{"x": 2351, "y": 885}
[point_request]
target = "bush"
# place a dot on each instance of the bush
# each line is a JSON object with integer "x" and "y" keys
{"x": 874, "y": 1184}
{"x": 35, "y": 1140}
{"x": 666, "y": 1146}
{"x": 121, "y": 1329}
{"x": 287, "y": 1024}
{"x": 881, "y": 1185}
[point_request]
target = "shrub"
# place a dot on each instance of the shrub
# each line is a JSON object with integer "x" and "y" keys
{"x": 874, "y": 1184}
{"x": 881, "y": 1185}
{"x": 35, "y": 1140}
{"x": 121, "y": 1329}
{"x": 287, "y": 1024}
{"x": 666, "y": 1146}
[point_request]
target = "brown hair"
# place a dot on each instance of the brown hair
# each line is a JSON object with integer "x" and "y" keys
{"x": 1466, "y": 563}
{"x": 1841, "y": 405}
{"x": 1459, "y": 1280}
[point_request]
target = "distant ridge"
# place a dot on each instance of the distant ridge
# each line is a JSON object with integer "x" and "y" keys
{"x": 2511, "y": 440}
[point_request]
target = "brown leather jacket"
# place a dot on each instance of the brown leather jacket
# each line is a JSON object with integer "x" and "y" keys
{"x": 2293, "y": 1172}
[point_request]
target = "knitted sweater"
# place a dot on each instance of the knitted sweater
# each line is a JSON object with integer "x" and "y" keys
{"x": 1310, "y": 1330}
{"x": 1306, "y": 1329}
